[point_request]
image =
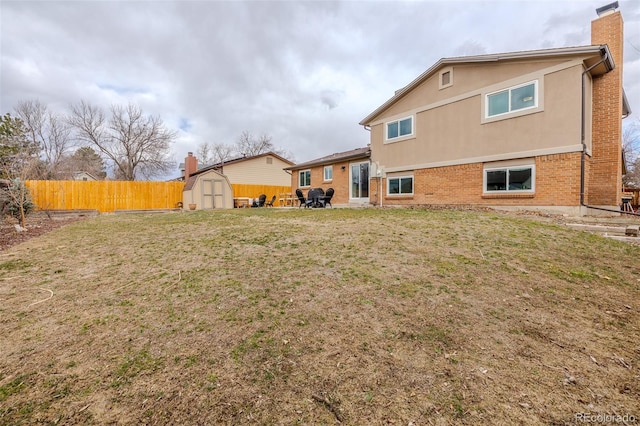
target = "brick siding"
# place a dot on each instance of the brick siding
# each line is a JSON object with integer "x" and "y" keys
{"x": 605, "y": 175}
{"x": 557, "y": 183}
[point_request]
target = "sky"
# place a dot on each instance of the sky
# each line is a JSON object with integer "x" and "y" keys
{"x": 304, "y": 73}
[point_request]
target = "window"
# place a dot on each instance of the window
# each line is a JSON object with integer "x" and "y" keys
{"x": 445, "y": 78}
{"x": 328, "y": 173}
{"x": 400, "y": 185}
{"x": 512, "y": 99}
{"x": 509, "y": 179}
{"x": 304, "y": 178}
{"x": 399, "y": 128}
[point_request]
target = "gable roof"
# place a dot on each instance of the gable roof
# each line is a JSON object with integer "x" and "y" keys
{"x": 334, "y": 158}
{"x": 601, "y": 68}
{"x": 194, "y": 177}
{"x": 239, "y": 160}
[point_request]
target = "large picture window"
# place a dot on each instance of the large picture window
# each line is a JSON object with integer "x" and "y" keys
{"x": 513, "y": 99}
{"x": 509, "y": 179}
{"x": 400, "y": 185}
{"x": 399, "y": 128}
{"x": 304, "y": 178}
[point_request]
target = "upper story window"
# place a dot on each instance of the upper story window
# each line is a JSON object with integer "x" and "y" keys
{"x": 304, "y": 178}
{"x": 400, "y": 185}
{"x": 519, "y": 178}
{"x": 399, "y": 128}
{"x": 328, "y": 173}
{"x": 512, "y": 99}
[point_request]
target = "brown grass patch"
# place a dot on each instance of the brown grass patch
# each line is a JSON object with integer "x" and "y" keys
{"x": 282, "y": 317}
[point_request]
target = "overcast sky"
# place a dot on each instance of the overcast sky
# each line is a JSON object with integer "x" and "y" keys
{"x": 304, "y": 73}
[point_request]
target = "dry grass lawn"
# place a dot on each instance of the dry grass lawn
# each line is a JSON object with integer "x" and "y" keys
{"x": 273, "y": 316}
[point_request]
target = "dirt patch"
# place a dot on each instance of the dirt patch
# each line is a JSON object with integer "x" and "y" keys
{"x": 36, "y": 224}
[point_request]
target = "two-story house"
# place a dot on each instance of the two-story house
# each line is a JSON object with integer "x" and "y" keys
{"x": 536, "y": 129}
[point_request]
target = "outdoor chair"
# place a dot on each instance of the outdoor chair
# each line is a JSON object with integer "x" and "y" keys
{"x": 270, "y": 203}
{"x": 261, "y": 200}
{"x": 303, "y": 201}
{"x": 326, "y": 198}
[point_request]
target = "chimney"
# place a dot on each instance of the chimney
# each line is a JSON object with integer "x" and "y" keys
{"x": 605, "y": 175}
{"x": 190, "y": 166}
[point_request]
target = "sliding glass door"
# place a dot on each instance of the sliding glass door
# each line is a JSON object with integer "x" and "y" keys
{"x": 359, "y": 190}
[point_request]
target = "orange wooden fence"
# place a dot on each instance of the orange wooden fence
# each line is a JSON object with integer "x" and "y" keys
{"x": 108, "y": 196}
{"x": 104, "y": 196}
{"x": 254, "y": 191}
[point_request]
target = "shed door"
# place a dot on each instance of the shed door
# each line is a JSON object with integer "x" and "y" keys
{"x": 212, "y": 193}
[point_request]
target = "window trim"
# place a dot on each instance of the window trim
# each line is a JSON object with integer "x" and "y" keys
{"x": 441, "y": 74}
{"x": 399, "y": 137}
{"x": 399, "y": 178}
{"x": 506, "y": 168}
{"x": 300, "y": 178}
{"x": 511, "y": 112}
{"x": 324, "y": 173}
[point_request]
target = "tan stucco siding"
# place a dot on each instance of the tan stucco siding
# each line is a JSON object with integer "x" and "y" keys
{"x": 258, "y": 172}
{"x": 448, "y": 133}
{"x": 468, "y": 78}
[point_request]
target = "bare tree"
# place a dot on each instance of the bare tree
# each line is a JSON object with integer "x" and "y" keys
{"x": 209, "y": 154}
{"x": 50, "y": 131}
{"x": 631, "y": 149}
{"x": 138, "y": 146}
{"x": 249, "y": 146}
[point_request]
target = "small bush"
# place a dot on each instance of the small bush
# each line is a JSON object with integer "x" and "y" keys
{"x": 14, "y": 195}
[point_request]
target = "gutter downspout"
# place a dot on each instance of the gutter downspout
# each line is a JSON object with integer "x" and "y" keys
{"x": 584, "y": 145}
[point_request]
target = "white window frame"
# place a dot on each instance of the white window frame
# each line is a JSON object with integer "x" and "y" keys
{"x": 399, "y": 178}
{"x": 509, "y": 90}
{"x": 507, "y": 169}
{"x": 324, "y": 173}
{"x": 300, "y": 173}
{"x": 400, "y": 137}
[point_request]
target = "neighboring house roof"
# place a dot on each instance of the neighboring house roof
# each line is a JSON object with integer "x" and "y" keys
{"x": 81, "y": 173}
{"x": 601, "y": 68}
{"x": 334, "y": 158}
{"x": 239, "y": 160}
{"x": 200, "y": 166}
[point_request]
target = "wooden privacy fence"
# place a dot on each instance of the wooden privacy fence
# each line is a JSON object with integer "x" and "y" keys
{"x": 254, "y": 191}
{"x": 104, "y": 196}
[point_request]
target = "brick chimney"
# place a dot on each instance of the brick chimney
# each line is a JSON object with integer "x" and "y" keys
{"x": 605, "y": 174}
{"x": 190, "y": 166}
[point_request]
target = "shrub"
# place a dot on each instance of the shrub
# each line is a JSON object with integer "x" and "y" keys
{"x": 13, "y": 196}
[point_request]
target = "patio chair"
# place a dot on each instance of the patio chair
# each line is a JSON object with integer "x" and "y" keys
{"x": 270, "y": 203}
{"x": 303, "y": 201}
{"x": 326, "y": 198}
{"x": 261, "y": 200}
